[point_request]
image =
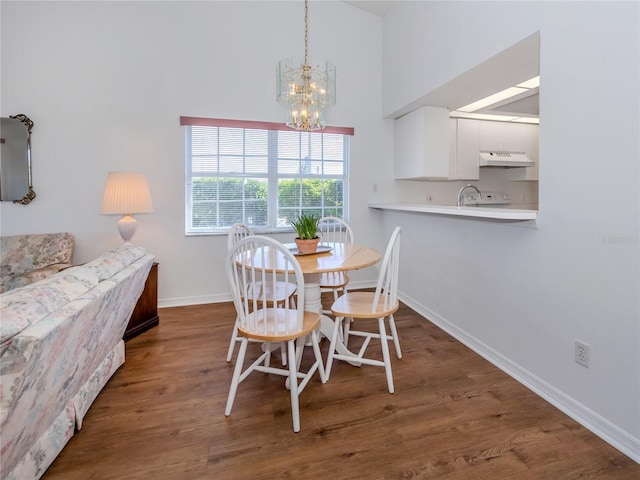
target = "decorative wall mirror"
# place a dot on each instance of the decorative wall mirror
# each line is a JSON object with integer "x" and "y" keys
{"x": 15, "y": 159}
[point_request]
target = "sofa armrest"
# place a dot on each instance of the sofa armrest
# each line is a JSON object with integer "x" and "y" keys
{"x": 32, "y": 276}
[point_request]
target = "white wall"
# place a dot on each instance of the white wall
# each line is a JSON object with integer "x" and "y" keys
{"x": 518, "y": 295}
{"x": 106, "y": 83}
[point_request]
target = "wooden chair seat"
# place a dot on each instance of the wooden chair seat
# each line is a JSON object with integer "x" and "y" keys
{"x": 281, "y": 291}
{"x": 360, "y": 305}
{"x": 334, "y": 280}
{"x": 279, "y": 321}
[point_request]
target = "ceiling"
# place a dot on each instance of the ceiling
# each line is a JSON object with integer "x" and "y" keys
{"x": 526, "y": 105}
{"x": 377, "y": 7}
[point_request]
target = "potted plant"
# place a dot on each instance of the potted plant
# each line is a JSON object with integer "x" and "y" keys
{"x": 306, "y": 226}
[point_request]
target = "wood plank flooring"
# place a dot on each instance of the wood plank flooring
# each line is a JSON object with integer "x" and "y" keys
{"x": 453, "y": 416}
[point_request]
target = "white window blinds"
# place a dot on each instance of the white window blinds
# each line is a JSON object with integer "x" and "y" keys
{"x": 262, "y": 174}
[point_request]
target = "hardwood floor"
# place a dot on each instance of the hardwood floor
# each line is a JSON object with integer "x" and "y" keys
{"x": 453, "y": 416}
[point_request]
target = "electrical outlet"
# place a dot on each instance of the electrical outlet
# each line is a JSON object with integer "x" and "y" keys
{"x": 582, "y": 353}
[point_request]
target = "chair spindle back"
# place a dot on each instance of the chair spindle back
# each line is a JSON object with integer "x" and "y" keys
{"x": 256, "y": 267}
{"x": 387, "y": 286}
{"x": 335, "y": 230}
{"x": 237, "y": 232}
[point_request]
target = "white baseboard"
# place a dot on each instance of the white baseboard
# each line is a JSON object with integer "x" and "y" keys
{"x": 199, "y": 300}
{"x": 226, "y": 297}
{"x": 589, "y": 419}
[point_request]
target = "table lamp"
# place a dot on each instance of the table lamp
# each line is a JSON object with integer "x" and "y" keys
{"x": 126, "y": 193}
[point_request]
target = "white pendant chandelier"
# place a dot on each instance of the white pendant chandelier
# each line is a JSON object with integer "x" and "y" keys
{"x": 306, "y": 87}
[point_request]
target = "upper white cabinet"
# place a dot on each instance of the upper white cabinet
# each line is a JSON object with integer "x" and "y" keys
{"x": 431, "y": 146}
{"x": 422, "y": 144}
{"x": 464, "y": 159}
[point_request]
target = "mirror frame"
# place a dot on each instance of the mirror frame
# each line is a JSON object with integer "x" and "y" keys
{"x": 31, "y": 194}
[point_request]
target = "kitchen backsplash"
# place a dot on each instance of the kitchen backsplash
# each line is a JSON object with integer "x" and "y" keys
{"x": 521, "y": 194}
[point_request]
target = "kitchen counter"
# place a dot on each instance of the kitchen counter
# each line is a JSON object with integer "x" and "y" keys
{"x": 494, "y": 214}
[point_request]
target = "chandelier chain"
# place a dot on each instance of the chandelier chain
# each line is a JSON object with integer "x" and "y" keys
{"x": 306, "y": 30}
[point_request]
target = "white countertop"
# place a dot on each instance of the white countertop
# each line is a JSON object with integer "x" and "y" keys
{"x": 500, "y": 214}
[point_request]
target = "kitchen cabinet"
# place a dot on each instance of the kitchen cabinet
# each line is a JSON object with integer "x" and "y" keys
{"x": 464, "y": 148}
{"x": 514, "y": 137}
{"x": 431, "y": 146}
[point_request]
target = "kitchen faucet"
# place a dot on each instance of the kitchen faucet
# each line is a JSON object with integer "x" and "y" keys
{"x": 460, "y": 198}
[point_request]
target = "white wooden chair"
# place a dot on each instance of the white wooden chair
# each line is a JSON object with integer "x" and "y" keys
{"x": 284, "y": 290}
{"x": 336, "y": 230}
{"x": 378, "y": 305}
{"x": 237, "y": 232}
{"x": 262, "y": 318}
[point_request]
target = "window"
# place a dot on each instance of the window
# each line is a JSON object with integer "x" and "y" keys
{"x": 262, "y": 174}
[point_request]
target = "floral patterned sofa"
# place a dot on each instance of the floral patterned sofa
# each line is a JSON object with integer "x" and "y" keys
{"x": 25, "y": 259}
{"x": 60, "y": 342}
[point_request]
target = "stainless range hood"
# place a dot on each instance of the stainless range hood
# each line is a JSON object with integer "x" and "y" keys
{"x": 505, "y": 159}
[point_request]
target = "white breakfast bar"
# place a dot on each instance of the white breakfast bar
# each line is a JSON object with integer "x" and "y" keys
{"x": 481, "y": 213}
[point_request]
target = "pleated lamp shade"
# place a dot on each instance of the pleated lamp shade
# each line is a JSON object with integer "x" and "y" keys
{"x": 126, "y": 193}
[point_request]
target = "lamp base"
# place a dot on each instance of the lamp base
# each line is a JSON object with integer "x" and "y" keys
{"x": 127, "y": 227}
